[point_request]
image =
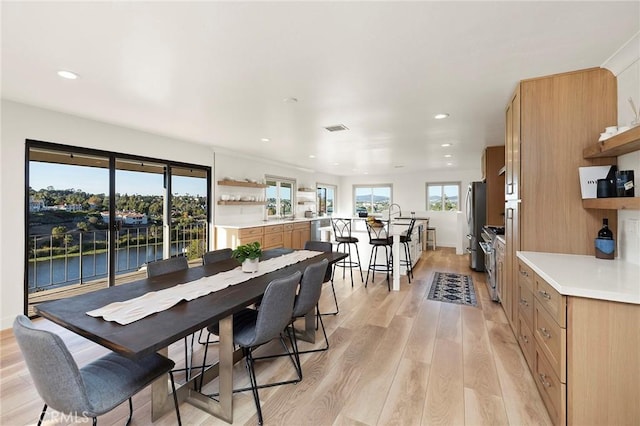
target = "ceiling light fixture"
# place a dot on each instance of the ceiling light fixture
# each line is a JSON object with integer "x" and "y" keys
{"x": 67, "y": 74}
{"x": 335, "y": 164}
{"x": 441, "y": 116}
{"x": 337, "y": 128}
{"x": 398, "y": 166}
{"x": 445, "y": 145}
{"x": 290, "y": 100}
{"x": 312, "y": 156}
{"x": 448, "y": 156}
{"x": 449, "y": 164}
{"x": 265, "y": 140}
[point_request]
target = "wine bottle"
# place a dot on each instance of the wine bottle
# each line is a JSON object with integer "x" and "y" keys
{"x": 605, "y": 244}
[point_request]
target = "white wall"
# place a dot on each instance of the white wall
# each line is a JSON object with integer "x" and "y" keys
{"x": 626, "y": 65}
{"x": 21, "y": 122}
{"x": 409, "y": 191}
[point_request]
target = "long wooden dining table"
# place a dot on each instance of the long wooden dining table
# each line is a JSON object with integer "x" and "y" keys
{"x": 156, "y": 332}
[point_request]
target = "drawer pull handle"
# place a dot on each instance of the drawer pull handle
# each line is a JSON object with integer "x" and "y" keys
{"x": 524, "y": 338}
{"x": 544, "y": 294}
{"x": 543, "y": 380}
{"x": 524, "y": 273}
{"x": 544, "y": 332}
{"x": 524, "y": 302}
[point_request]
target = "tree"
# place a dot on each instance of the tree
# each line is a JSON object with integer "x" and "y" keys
{"x": 58, "y": 232}
{"x": 82, "y": 226}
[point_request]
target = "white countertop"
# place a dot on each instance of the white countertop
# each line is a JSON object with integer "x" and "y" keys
{"x": 586, "y": 276}
{"x": 267, "y": 223}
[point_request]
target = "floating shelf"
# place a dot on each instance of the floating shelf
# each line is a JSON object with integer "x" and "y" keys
{"x": 242, "y": 203}
{"x": 306, "y": 202}
{"x": 622, "y": 143}
{"x": 241, "y": 183}
{"x": 615, "y": 203}
{"x": 307, "y": 190}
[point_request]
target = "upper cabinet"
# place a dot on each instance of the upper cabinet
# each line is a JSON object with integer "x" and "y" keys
{"x": 619, "y": 144}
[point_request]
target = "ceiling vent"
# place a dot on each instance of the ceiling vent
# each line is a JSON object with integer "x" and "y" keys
{"x": 337, "y": 128}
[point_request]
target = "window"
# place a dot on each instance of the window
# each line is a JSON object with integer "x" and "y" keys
{"x": 95, "y": 217}
{"x": 371, "y": 198}
{"x": 326, "y": 199}
{"x": 280, "y": 196}
{"x": 443, "y": 196}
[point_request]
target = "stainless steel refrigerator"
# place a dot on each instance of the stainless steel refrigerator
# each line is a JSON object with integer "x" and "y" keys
{"x": 476, "y": 217}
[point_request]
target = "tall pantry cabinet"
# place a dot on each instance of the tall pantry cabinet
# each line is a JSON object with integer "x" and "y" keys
{"x": 549, "y": 122}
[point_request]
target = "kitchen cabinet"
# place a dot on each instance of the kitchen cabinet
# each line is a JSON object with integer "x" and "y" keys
{"x": 288, "y": 235}
{"x": 619, "y": 144}
{"x": 549, "y": 122}
{"x": 273, "y": 236}
{"x": 584, "y": 357}
{"x": 300, "y": 235}
{"x": 492, "y": 161}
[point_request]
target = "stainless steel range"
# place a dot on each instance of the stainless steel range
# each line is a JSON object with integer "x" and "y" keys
{"x": 487, "y": 244}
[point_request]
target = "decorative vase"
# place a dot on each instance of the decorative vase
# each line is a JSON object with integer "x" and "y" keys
{"x": 250, "y": 265}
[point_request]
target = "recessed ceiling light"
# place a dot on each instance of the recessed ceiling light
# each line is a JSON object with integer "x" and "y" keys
{"x": 335, "y": 164}
{"x": 312, "y": 156}
{"x": 365, "y": 173}
{"x": 67, "y": 74}
{"x": 444, "y": 145}
{"x": 449, "y": 164}
{"x": 265, "y": 140}
{"x": 290, "y": 100}
{"x": 398, "y": 166}
{"x": 441, "y": 116}
{"x": 448, "y": 156}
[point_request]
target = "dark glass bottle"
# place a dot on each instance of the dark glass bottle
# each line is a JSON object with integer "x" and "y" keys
{"x": 605, "y": 244}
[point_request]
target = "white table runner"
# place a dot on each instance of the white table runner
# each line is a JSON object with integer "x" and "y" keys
{"x": 157, "y": 301}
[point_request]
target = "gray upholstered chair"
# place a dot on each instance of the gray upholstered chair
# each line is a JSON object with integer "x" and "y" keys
{"x": 216, "y": 256}
{"x": 326, "y": 247}
{"x": 166, "y": 266}
{"x": 89, "y": 391}
{"x": 252, "y": 328}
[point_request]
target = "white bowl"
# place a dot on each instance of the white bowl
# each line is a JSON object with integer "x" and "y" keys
{"x": 224, "y": 197}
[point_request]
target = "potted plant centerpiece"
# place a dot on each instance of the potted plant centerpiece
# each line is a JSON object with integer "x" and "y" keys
{"x": 248, "y": 255}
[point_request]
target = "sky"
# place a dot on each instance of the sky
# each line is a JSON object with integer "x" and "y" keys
{"x": 96, "y": 180}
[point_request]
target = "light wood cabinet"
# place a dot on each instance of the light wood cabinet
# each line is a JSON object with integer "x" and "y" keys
{"x": 492, "y": 161}
{"x": 287, "y": 235}
{"x": 300, "y": 235}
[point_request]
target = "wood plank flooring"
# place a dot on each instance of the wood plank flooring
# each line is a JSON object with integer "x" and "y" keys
{"x": 395, "y": 359}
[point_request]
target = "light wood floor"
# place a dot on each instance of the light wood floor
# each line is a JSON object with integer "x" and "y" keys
{"x": 395, "y": 358}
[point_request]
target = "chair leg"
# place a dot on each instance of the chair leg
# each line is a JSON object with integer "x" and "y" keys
{"x": 175, "y": 398}
{"x": 371, "y": 257}
{"x": 130, "y": 413}
{"x": 359, "y": 263}
{"x": 249, "y": 363}
{"x": 95, "y": 421}
{"x": 204, "y": 364}
{"x": 350, "y": 263}
{"x": 386, "y": 253}
{"x": 44, "y": 410}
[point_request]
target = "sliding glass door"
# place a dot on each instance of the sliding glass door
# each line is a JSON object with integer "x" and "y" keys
{"x": 95, "y": 219}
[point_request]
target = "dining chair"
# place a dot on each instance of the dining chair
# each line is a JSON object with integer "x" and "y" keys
{"x": 378, "y": 231}
{"x": 253, "y": 328}
{"x": 167, "y": 266}
{"x": 92, "y": 390}
{"x": 344, "y": 238}
{"x": 216, "y": 256}
{"x": 326, "y": 247}
{"x": 306, "y": 301}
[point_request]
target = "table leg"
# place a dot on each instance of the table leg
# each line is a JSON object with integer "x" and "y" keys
{"x": 396, "y": 262}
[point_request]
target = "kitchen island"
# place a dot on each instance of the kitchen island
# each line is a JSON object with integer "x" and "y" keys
{"x": 579, "y": 329}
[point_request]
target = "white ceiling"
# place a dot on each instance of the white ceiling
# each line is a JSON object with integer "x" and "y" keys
{"x": 217, "y": 73}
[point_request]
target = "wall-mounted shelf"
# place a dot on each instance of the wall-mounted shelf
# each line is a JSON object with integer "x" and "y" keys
{"x": 306, "y": 202}
{"x": 241, "y": 203}
{"x": 622, "y": 143}
{"x": 241, "y": 183}
{"x": 311, "y": 190}
{"x": 615, "y": 203}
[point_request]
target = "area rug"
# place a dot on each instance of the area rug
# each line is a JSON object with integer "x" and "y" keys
{"x": 453, "y": 288}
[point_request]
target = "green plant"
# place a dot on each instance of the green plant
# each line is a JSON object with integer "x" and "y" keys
{"x": 247, "y": 251}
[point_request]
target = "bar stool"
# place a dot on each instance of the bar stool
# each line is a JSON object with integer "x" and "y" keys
{"x": 379, "y": 237}
{"x": 342, "y": 234}
{"x": 405, "y": 240}
{"x": 431, "y": 237}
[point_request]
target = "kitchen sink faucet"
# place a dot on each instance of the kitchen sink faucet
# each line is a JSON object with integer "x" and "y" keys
{"x": 391, "y": 209}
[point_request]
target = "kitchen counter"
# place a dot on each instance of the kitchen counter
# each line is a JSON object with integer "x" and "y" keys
{"x": 586, "y": 276}
{"x": 267, "y": 223}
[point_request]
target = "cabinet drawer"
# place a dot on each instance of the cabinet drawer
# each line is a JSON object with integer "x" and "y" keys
{"x": 287, "y": 227}
{"x": 302, "y": 225}
{"x": 527, "y": 342}
{"x": 525, "y": 303}
{"x": 272, "y": 229}
{"x": 554, "y": 302}
{"x": 250, "y": 232}
{"x": 273, "y": 240}
{"x": 552, "y": 391}
{"x": 552, "y": 340}
{"x": 525, "y": 275}
{"x": 251, "y": 239}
